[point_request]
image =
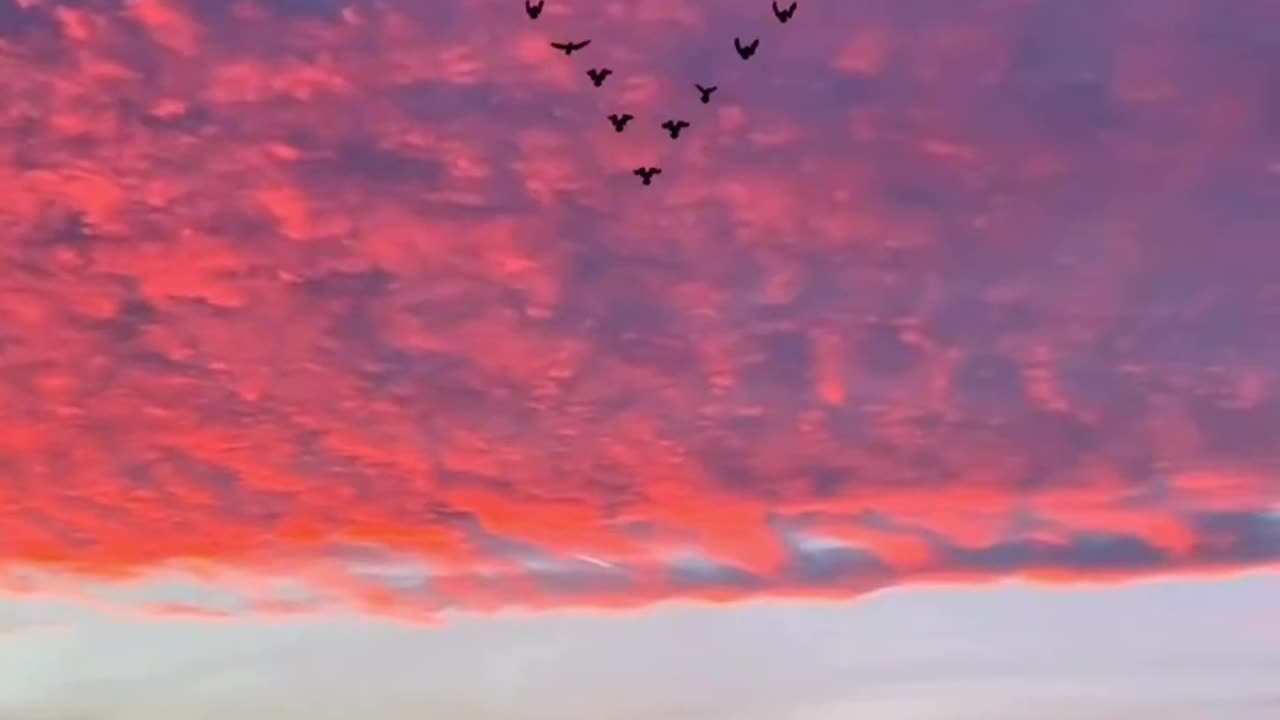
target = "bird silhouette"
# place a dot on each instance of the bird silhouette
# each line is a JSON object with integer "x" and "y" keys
{"x": 533, "y": 10}
{"x": 674, "y": 127}
{"x": 706, "y": 92}
{"x": 621, "y": 122}
{"x": 646, "y": 173}
{"x": 784, "y": 15}
{"x": 570, "y": 47}
{"x": 746, "y": 51}
{"x": 598, "y": 76}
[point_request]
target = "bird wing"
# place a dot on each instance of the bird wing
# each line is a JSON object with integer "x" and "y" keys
{"x": 579, "y": 46}
{"x": 683, "y": 123}
{"x": 628, "y": 116}
{"x": 791, "y": 9}
{"x": 559, "y": 46}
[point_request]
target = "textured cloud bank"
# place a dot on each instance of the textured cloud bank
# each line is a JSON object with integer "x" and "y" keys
{"x": 364, "y": 294}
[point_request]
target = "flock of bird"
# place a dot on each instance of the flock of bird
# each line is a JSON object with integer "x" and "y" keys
{"x": 673, "y": 126}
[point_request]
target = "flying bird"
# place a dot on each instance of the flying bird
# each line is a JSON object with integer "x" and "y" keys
{"x": 621, "y": 122}
{"x": 646, "y": 173}
{"x": 674, "y": 127}
{"x": 706, "y": 92}
{"x": 533, "y": 10}
{"x": 784, "y": 15}
{"x": 746, "y": 51}
{"x": 598, "y": 76}
{"x": 569, "y": 47}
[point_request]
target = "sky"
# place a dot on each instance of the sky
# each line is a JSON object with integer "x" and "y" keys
{"x": 344, "y": 359}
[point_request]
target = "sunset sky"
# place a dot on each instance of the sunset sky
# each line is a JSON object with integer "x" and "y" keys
{"x": 346, "y": 367}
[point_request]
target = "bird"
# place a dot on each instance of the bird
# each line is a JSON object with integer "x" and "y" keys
{"x": 706, "y": 92}
{"x": 646, "y": 173}
{"x": 621, "y": 122}
{"x": 746, "y": 51}
{"x": 598, "y": 76}
{"x": 569, "y": 47}
{"x": 784, "y": 15}
{"x": 533, "y": 10}
{"x": 674, "y": 127}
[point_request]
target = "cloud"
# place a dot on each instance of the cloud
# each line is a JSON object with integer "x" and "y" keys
{"x": 923, "y": 294}
{"x": 9, "y": 631}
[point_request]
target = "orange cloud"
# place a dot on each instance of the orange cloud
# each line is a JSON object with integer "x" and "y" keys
{"x": 918, "y": 296}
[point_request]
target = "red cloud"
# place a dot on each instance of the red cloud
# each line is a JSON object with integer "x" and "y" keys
{"x": 910, "y": 301}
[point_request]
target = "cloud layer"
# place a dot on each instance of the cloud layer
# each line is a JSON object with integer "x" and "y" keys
{"x": 366, "y": 293}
